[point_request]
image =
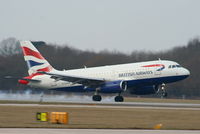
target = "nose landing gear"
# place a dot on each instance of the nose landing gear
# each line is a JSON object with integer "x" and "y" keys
{"x": 162, "y": 91}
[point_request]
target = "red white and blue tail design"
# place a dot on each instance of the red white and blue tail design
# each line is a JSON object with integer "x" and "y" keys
{"x": 35, "y": 61}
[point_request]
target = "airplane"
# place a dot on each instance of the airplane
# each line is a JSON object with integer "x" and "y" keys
{"x": 141, "y": 78}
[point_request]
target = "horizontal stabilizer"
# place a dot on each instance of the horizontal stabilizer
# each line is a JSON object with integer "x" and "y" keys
{"x": 19, "y": 78}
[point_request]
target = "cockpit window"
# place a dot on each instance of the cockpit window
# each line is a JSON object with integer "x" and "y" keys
{"x": 174, "y": 66}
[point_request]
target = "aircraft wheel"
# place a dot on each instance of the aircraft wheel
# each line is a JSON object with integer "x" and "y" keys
{"x": 164, "y": 94}
{"x": 96, "y": 98}
{"x": 119, "y": 99}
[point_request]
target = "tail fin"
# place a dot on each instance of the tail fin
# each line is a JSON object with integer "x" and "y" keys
{"x": 35, "y": 61}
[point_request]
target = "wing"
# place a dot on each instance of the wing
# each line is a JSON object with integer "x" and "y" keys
{"x": 90, "y": 82}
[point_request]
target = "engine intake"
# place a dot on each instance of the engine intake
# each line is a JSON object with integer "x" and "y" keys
{"x": 123, "y": 85}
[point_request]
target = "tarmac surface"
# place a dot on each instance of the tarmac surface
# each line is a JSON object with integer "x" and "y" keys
{"x": 91, "y": 131}
{"x": 122, "y": 105}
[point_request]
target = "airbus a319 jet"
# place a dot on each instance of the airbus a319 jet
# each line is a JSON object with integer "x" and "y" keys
{"x": 141, "y": 78}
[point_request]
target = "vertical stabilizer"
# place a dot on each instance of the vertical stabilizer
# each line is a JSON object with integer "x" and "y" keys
{"x": 35, "y": 61}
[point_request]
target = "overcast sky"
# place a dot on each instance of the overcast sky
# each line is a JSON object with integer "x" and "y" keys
{"x": 123, "y": 25}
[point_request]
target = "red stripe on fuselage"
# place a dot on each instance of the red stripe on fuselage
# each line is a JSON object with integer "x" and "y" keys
{"x": 29, "y": 52}
{"x": 154, "y": 65}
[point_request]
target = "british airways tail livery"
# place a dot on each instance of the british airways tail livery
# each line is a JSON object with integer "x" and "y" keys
{"x": 141, "y": 78}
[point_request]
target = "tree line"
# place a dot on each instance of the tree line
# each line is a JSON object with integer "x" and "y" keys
{"x": 66, "y": 57}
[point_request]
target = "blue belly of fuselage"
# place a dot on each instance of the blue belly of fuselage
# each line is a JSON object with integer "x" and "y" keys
{"x": 130, "y": 84}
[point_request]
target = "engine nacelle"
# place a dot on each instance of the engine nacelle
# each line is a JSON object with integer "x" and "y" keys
{"x": 144, "y": 90}
{"x": 114, "y": 87}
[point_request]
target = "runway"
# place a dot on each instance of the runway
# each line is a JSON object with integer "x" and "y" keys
{"x": 86, "y": 101}
{"x": 144, "y": 105}
{"x": 91, "y": 131}
{"x": 139, "y": 104}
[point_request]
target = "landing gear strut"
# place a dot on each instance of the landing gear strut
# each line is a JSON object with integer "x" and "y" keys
{"x": 119, "y": 98}
{"x": 163, "y": 92}
{"x": 96, "y": 96}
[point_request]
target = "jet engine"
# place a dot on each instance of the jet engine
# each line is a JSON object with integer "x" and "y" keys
{"x": 113, "y": 87}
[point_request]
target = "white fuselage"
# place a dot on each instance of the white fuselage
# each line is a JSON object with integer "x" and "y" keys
{"x": 128, "y": 72}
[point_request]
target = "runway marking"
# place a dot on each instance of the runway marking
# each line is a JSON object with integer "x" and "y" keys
{"x": 92, "y": 131}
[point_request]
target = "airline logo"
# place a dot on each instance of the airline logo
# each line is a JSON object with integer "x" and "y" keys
{"x": 159, "y": 66}
{"x": 35, "y": 61}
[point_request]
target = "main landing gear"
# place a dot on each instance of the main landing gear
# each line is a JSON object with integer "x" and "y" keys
{"x": 97, "y": 97}
{"x": 119, "y": 98}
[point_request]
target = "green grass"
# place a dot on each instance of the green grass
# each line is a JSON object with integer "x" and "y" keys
{"x": 124, "y": 118}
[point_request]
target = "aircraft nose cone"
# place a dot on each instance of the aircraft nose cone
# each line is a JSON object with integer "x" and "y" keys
{"x": 186, "y": 72}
